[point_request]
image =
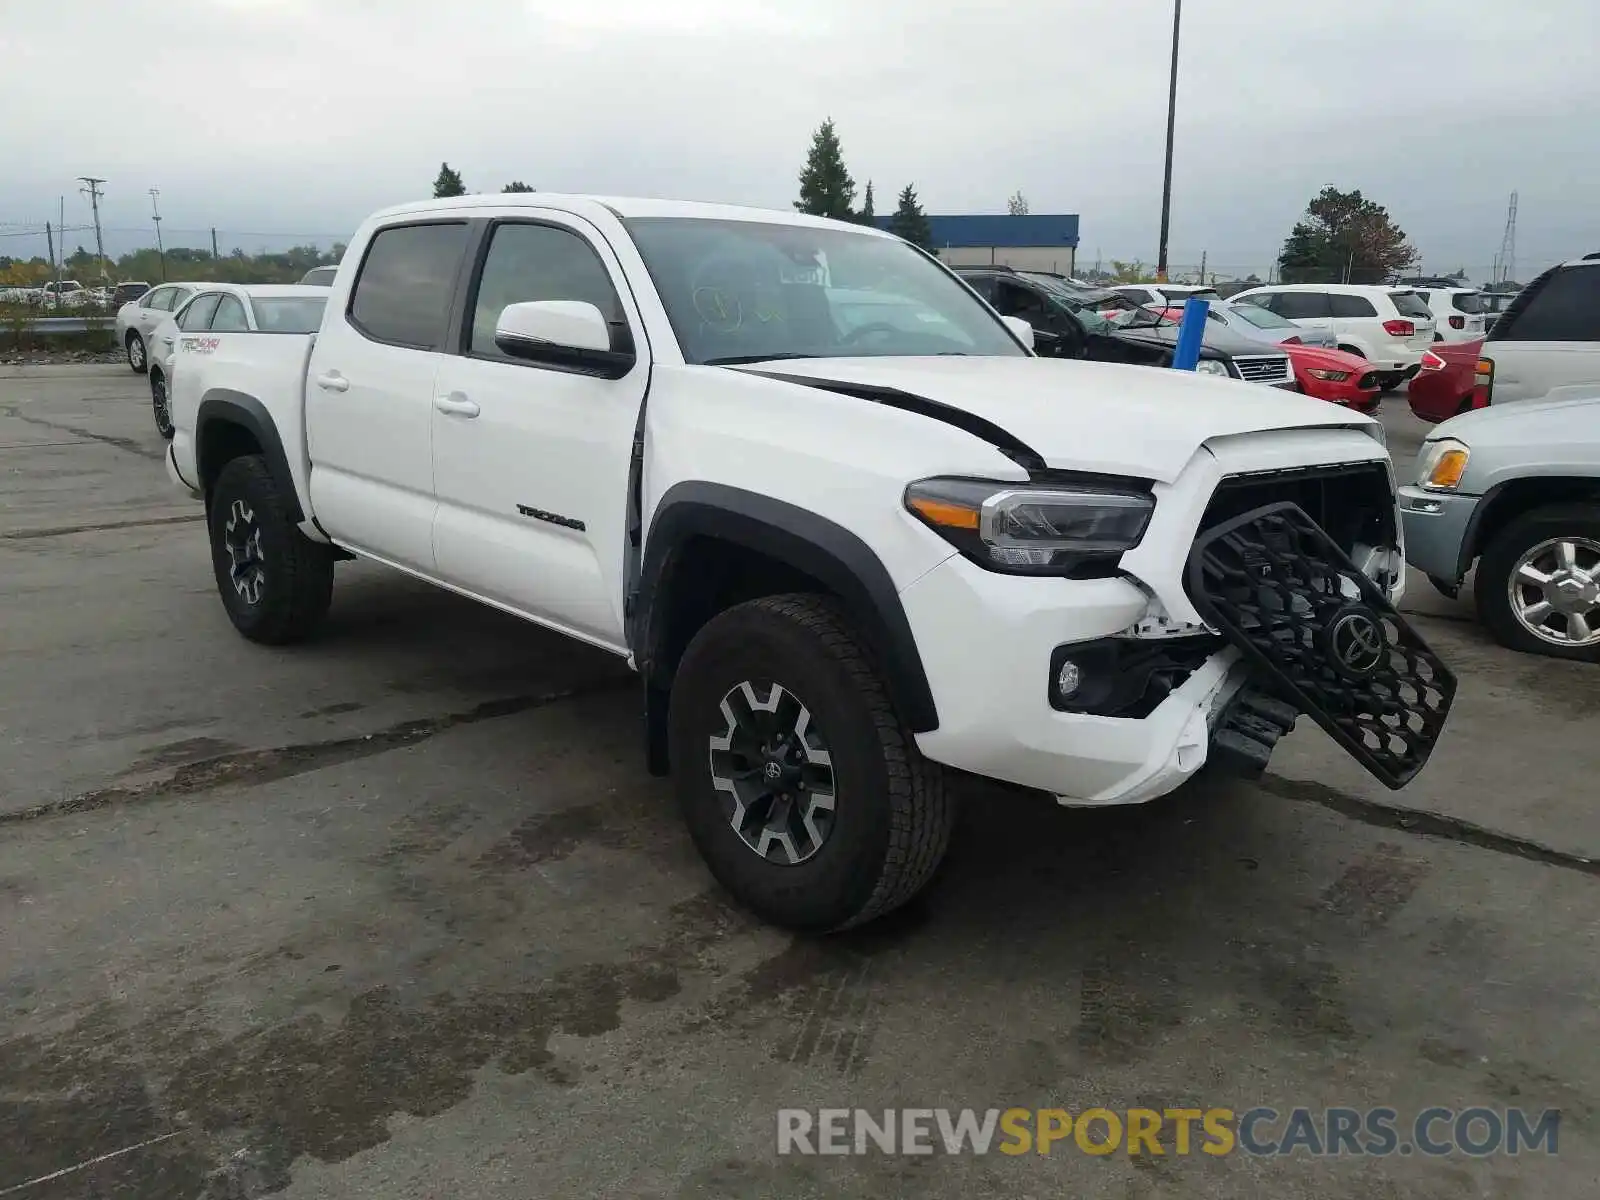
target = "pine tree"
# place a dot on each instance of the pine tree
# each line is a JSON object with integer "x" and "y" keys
{"x": 909, "y": 221}
{"x": 448, "y": 183}
{"x": 868, "y": 215}
{"x": 516, "y": 185}
{"x": 826, "y": 189}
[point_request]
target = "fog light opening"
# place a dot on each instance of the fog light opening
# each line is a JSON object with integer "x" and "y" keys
{"x": 1068, "y": 678}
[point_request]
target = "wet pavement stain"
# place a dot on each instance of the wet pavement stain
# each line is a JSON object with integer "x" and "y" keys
{"x": 552, "y": 836}
{"x": 1123, "y": 1013}
{"x": 1375, "y": 886}
{"x": 251, "y": 1105}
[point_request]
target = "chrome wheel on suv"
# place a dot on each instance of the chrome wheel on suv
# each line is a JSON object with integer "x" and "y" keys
{"x": 1554, "y": 591}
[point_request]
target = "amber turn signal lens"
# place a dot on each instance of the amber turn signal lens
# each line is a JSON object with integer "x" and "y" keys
{"x": 1448, "y": 470}
{"x": 942, "y": 512}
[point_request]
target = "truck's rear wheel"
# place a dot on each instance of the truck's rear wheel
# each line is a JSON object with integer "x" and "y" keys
{"x": 274, "y": 581}
{"x": 803, "y": 791}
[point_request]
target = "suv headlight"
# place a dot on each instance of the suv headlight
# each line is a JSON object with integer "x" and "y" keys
{"x": 1442, "y": 465}
{"x": 1211, "y": 366}
{"x": 1033, "y": 528}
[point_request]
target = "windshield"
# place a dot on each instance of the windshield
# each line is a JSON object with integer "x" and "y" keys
{"x": 289, "y": 314}
{"x": 748, "y": 291}
{"x": 1261, "y": 318}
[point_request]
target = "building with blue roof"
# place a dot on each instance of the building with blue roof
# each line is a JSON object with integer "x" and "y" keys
{"x": 1034, "y": 242}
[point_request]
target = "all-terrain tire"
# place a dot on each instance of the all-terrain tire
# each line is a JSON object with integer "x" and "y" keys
{"x": 1492, "y": 583}
{"x": 286, "y": 583}
{"x": 892, "y": 816}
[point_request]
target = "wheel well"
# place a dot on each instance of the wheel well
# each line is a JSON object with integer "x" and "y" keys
{"x": 220, "y": 443}
{"x": 1519, "y": 496}
{"x": 709, "y": 575}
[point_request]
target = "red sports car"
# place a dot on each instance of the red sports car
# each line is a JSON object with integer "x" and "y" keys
{"x": 1334, "y": 376}
{"x": 1453, "y": 379}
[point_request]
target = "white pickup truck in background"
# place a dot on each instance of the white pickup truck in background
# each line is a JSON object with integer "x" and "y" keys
{"x": 843, "y": 552}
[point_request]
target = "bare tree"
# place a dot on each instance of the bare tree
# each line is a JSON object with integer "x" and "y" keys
{"x": 1017, "y": 204}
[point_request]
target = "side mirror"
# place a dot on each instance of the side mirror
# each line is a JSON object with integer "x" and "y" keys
{"x": 562, "y": 333}
{"x": 1021, "y": 328}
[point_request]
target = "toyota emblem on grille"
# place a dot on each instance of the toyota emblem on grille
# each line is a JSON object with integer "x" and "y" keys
{"x": 1357, "y": 641}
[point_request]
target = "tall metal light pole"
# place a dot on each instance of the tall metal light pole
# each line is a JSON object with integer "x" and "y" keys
{"x": 155, "y": 210}
{"x": 1172, "y": 113}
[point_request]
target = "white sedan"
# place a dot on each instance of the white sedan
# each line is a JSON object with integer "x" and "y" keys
{"x": 137, "y": 319}
{"x": 212, "y": 320}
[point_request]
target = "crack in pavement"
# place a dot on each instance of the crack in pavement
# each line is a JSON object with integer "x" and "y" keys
{"x": 18, "y": 535}
{"x": 282, "y": 762}
{"x": 106, "y": 439}
{"x": 1424, "y": 823}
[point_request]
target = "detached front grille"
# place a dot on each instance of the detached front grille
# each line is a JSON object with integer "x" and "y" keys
{"x": 1263, "y": 368}
{"x": 1321, "y": 636}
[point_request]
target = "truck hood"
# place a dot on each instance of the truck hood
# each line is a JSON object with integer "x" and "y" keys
{"x": 1572, "y": 417}
{"x": 1089, "y": 416}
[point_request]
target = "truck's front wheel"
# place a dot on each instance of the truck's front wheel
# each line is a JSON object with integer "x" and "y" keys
{"x": 275, "y": 582}
{"x": 805, "y": 794}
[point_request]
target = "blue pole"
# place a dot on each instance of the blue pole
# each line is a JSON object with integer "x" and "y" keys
{"x": 1190, "y": 330}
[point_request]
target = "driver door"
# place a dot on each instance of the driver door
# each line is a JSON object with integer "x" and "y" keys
{"x": 1053, "y": 334}
{"x": 530, "y": 460}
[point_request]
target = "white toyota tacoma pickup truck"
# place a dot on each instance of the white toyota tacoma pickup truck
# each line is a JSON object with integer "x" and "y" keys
{"x": 848, "y": 547}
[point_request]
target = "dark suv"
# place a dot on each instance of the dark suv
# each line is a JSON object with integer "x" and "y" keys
{"x": 1076, "y": 322}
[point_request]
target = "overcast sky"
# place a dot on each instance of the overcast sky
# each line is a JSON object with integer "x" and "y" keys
{"x": 270, "y": 117}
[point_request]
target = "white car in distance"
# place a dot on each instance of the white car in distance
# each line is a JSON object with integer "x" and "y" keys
{"x": 1457, "y": 313}
{"x": 212, "y": 321}
{"x": 1390, "y": 327}
{"x": 137, "y": 320}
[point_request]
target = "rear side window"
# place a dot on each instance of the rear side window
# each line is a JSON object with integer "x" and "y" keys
{"x": 198, "y": 314}
{"x": 1467, "y": 302}
{"x": 538, "y": 262}
{"x": 402, "y": 295}
{"x": 1301, "y": 306}
{"x": 1353, "y": 306}
{"x": 1565, "y": 309}
{"x": 161, "y": 299}
{"x": 1409, "y": 304}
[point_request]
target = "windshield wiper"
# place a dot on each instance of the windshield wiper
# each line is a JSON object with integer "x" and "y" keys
{"x": 739, "y": 360}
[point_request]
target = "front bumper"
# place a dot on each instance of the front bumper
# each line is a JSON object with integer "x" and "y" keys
{"x": 995, "y": 717}
{"x": 1437, "y": 525}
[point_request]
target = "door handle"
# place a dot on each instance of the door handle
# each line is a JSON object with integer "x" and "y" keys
{"x": 457, "y": 405}
{"x": 333, "y": 382}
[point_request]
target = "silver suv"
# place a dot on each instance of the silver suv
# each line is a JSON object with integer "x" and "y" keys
{"x": 1516, "y": 489}
{"x": 1550, "y": 336}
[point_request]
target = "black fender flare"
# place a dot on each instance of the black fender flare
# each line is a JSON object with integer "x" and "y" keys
{"x": 822, "y": 549}
{"x": 226, "y": 406}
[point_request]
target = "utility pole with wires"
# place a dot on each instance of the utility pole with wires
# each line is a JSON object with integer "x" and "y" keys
{"x": 1172, "y": 114}
{"x": 94, "y": 193}
{"x": 155, "y": 211}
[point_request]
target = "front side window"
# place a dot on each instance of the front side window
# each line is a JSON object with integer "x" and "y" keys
{"x": 538, "y": 262}
{"x": 198, "y": 312}
{"x": 229, "y": 317}
{"x": 746, "y": 291}
{"x": 402, "y": 295}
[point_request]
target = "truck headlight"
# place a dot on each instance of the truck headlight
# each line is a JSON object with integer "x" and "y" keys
{"x": 1033, "y": 529}
{"x": 1211, "y": 366}
{"x": 1442, "y": 465}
